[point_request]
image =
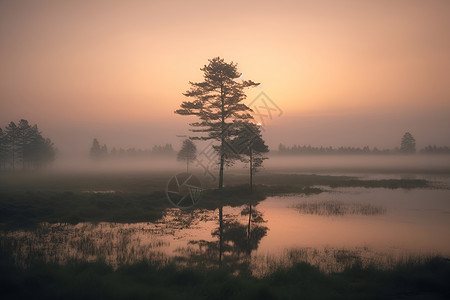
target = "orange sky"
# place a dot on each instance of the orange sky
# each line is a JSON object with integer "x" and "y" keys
{"x": 343, "y": 72}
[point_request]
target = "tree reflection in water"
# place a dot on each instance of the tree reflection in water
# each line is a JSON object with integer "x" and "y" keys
{"x": 234, "y": 241}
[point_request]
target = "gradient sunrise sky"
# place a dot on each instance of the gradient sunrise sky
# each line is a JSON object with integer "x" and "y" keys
{"x": 345, "y": 73}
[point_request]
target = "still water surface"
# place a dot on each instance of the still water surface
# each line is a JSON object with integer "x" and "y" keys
{"x": 331, "y": 230}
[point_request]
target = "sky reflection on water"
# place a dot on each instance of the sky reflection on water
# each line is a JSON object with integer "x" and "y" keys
{"x": 412, "y": 222}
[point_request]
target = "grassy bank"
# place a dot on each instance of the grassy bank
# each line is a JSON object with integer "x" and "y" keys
{"x": 26, "y": 209}
{"x": 27, "y": 199}
{"x": 21, "y": 210}
{"x": 310, "y": 180}
{"x": 147, "y": 281}
{"x": 148, "y": 182}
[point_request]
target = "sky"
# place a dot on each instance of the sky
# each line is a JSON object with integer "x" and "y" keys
{"x": 343, "y": 73}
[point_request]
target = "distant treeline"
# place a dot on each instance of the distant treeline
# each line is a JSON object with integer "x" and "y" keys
{"x": 435, "y": 150}
{"x": 22, "y": 146}
{"x": 99, "y": 152}
{"x": 297, "y": 149}
{"x": 407, "y": 146}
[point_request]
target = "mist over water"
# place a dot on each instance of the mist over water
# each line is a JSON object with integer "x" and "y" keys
{"x": 149, "y": 164}
{"x": 331, "y": 164}
{"x": 360, "y": 163}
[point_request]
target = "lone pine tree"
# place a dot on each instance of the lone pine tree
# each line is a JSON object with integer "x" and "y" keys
{"x": 217, "y": 102}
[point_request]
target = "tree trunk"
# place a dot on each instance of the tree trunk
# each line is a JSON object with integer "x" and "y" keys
{"x": 222, "y": 139}
{"x": 222, "y": 159}
{"x": 220, "y": 235}
{"x": 187, "y": 165}
{"x": 251, "y": 170}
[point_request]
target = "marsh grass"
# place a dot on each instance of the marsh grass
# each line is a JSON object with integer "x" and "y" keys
{"x": 27, "y": 209}
{"x": 125, "y": 244}
{"x": 148, "y": 182}
{"x": 311, "y": 180}
{"x": 426, "y": 278}
{"x": 338, "y": 208}
{"x": 27, "y": 200}
{"x": 112, "y": 243}
{"x": 330, "y": 260}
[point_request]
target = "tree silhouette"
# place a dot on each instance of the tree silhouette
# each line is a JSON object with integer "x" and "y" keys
{"x": 162, "y": 149}
{"x": 96, "y": 150}
{"x": 436, "y": 150}
{"x": 298, "y": 149}
{"x": 12, "y": 139}
{"x": 408, "y": 144}
{"x": 2, "y": 149}
{"x": 188, "y": 152}
{"x": 26, "y": 135}
{"x": 250, "y": 146}
{"x": 104, "y": 151}
{"x": 217, "y": 102}
{"x": 42, "y": 151}
{"x": 24, "y": 143}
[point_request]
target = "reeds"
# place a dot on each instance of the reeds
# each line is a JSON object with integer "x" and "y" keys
{"x": 338, "y": 208}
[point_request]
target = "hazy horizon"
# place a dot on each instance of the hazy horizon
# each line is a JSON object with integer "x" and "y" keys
{"x": 352, "y": 73}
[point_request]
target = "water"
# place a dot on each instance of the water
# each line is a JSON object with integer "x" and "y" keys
{"x": 331, "y": 230}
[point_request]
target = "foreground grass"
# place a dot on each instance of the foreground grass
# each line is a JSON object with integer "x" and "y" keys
{"x": 97, "y": 280}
